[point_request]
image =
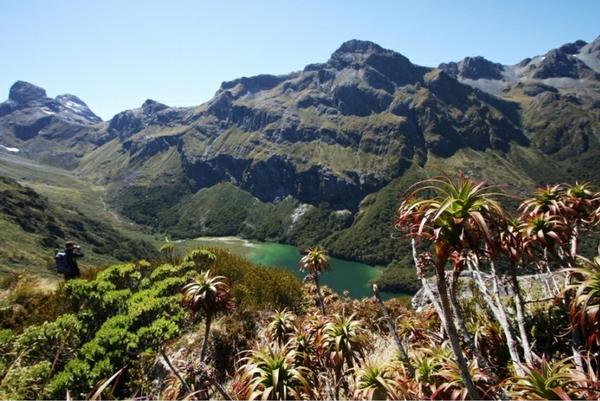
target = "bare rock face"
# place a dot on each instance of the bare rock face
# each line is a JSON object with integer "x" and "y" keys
{"x": 77, "y": 108}
{"x": 22, "y": 92}
{"x": 559, "y": 63}
{"x": 473, "y": 68}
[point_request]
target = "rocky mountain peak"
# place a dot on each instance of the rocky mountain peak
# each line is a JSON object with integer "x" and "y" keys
{"x": 559, "y": 63}
{"x": 255, "y": 83}
{"x": 75, "y": 107}
{"x": 360, "y": 52}
{"x": 594, "y": 46}
{"x": 572, "y": 48}
{"x": 376, "y": 61}
{"x": 23, "y": 92}
{"x": 67, "y": 97}
{"x": 357, "y": 46}
{"x": 473, "y": 68}
{"x": 152, "y": 106}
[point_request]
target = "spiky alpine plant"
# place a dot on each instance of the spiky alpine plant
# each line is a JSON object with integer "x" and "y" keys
{"x": 545, "y": 380}
{"x": 377, "y": 382}
{"x": 576, "y": 205}
{"x": 344, "y": 342}
{"x": 453, "y": 386}
{"x": 582, "y": 204}
{"x": 548, "y": 199}
{"x": 281, "y": 327}
{"x": 582, "y": 201}
{"x": 427, "y": 360}
{"x": 272, "y": 373}
{"x": 457, "y": 217}
{"x": 307, "y": 341}
{"x": 543, "y": 232}
{"x": 315, "y": 262}
{"x": 584, "y": 308}
{"x": 206, "y": 296}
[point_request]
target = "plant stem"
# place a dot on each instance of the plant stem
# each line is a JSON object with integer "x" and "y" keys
{"x": 321, "y": 301}
{"x": 520, "y": 315}
{"x": 186, "y": 386}
{"x": 452, "y": 334}
{"x": 205, "y": 340}
{"x": 462, "y": 325}
{"x": 392, "y": 329}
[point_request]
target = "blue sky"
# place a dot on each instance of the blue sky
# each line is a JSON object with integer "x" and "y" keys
{"x": 115, "y": 54}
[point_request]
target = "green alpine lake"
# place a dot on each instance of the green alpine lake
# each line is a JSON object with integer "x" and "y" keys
{"x": 344, "y": 275}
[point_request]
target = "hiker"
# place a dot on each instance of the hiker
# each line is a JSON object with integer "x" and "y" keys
{"x": 66, "y": 261}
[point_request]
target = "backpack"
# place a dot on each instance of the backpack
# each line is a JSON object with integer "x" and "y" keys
{"x": 61, "y": 262}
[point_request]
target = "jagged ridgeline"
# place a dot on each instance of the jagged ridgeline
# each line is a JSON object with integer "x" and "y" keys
{"x": 324, "y": 154}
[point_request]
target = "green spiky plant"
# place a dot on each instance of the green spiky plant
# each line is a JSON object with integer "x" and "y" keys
{"x": 428, "y": 360}
{"x": 271, "y": 373}
{"x": 315, "y": 262}
{"x": 545, "y": 200}
{"x": 584, "y": 309}
{"x": 344, "y": 342}
{"x": 281, "y": 327}
{"x": 207, "y": 295}
{"x": 453, "y": 386}
{"x": 546, "y": 381}
{"x": 342, "y": 346}
{"x": 376, "y": 382}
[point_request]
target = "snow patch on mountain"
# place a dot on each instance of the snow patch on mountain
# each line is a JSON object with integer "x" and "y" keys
{"x": 14, "y": 150}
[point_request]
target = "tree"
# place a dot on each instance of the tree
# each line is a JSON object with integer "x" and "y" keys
{"x": 571, "y": 208}
{"x": 207, "y": 295}
{"x": 314, "y": 263}
{"x": 456, "y": 218}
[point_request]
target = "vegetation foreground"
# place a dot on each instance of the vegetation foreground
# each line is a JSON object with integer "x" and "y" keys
{"x": 212, "y": 325}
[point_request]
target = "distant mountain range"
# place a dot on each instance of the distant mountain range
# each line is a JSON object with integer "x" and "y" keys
{"x": 323, "y": 154}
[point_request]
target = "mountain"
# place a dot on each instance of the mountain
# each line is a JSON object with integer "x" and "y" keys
{"x": 57, "y": 131}
{"x": 576, "y": 60}
{"x": 323, "y": 154}
{"x": 559, "y": 97}
{"x": 332, "y": 133}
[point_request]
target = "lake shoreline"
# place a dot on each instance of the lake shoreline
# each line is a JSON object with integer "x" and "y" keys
{"x": 345, "y": 275}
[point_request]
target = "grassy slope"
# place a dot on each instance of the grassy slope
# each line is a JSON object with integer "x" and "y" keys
{"x": 76, "y": 206}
